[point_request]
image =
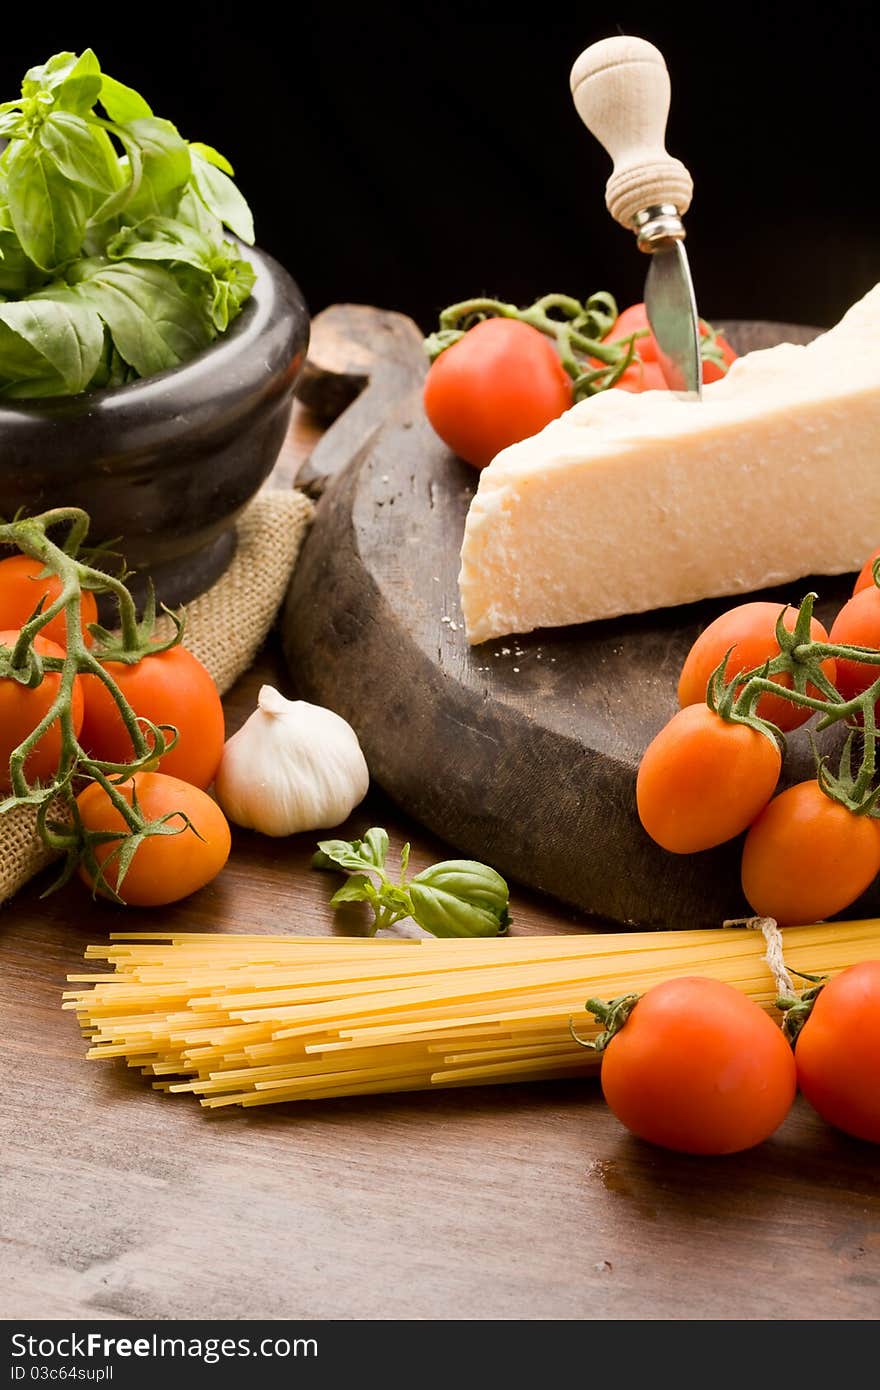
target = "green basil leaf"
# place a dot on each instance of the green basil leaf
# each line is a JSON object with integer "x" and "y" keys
{"x": 220, "y": 196}
{"x": 64, "y": 332}
{"x": 44, "y": 76}
{"x": 192, "y": 211}
{"x": 11, "y": 124}
{"x": 374, "y": 846}
{"x": 122, "y": 103}
{"x": 470, "y": 881}
{"x": 154, "y": 323}
{"x": 49, "y": 214}
{"x": 212, "y": 156}
{"x": 18, "y": 359}
{"x": 444, "y": 914}
{"x": 18, "y": 274}
{"x": 221, "y": 279}
{"x": 73, "y": 82}
{"x": 344, "y": 854}
{"x": 162, "y": 239}
{"x": 357, "y": 889}
{"x": 131, "y": 171}
{"x": 79, "y": 152}
{"x": 111, "y": 369}
{"x": 166, "y": 166}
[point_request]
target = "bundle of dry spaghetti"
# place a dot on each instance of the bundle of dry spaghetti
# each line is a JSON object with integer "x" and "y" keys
{"x": 250, "y": 1020}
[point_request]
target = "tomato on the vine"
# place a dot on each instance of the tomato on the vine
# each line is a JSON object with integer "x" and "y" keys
{"x": 865, "y": 579}
{"x": 857, "y": 625}
{"x": 22, "y": 587}
{"x": 646, "y": 374}
{"x": 807, "y": 857}
{"x": 699, "y": 1068}
{"x": 166, "y": 867}
{"x": 703, "y": 780}
{"x": 500, "y": 383}
{"x": 748, "y": 632}
{"x": 22, "y": 709}
{"x": 170, "y": 687}
{"x": 838, "y": 1052}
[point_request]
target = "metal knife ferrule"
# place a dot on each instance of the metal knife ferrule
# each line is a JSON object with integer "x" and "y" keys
{"x": 657, "y": 226}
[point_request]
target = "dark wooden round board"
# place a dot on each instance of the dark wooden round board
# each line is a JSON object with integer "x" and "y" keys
{"x": 521, "y": 752}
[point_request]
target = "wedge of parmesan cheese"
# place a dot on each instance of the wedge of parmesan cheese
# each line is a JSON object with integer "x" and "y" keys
{"x": 634, "y": 502}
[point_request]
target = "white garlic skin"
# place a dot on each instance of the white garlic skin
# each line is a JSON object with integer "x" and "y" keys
{"x": 291, "y": 767}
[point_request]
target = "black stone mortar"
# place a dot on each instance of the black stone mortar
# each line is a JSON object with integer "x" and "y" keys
{"x": 165, "y": 465}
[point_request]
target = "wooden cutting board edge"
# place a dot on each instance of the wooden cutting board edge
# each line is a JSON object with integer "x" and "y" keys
{"x": 482, "y": 748}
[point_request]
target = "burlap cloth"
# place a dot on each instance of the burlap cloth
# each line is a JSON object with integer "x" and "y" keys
{"x": 225, "y": 628}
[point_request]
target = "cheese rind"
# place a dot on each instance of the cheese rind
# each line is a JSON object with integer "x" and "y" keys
{"x": 633, "y": 502}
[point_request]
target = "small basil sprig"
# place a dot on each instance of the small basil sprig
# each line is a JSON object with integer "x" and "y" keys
{"x": 458, "y": 897}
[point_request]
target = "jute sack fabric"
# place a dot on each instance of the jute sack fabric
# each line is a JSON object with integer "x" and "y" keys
{"x": 225, "y": 628}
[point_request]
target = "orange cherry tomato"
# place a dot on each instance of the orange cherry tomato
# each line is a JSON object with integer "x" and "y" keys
{"x": 838, "y": 1052}
{"x": 641, "y": 376}
{"x": 857, "y": 625}
{"x": 21, "y": 589}
{"x": 703, "y": 780}
{"x": 807, "y": 857}
{"x": 866, "y": 574}
{"x": 165, "y": 868}
{"x": 500, "y": 383}
{"x": 21, "y": 710}
{"x": 645, "y": 374}
{"x": 750, "y": 629}
{"x": 699, "y": 1068}
{"x": 171, "y": 687}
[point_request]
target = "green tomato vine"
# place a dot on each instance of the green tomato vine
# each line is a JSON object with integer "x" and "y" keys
{"x": 801, "y": 658}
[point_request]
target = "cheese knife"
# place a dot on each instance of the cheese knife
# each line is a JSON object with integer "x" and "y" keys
{"x": 621, "y": 91}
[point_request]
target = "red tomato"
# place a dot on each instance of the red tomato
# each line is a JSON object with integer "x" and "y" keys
{"x": 866, "y": 574}
{"x": 21, "y": 710}
{"x": 838, "y": 1052}
{"x": 646, "y": 375}
{"x": 500, "y": 383}
{"x": 857, "y": 625}
{"x": 699, "y": 1068}
{"x": 750, "y": 629}
{"x": 169, "y": 687}
{"x": 21, "y": 589}
{"x": 703, "y": 780}
{"x": 642, "y": 376}
{"x": 807, "y": 857}
{"x": 165, "y": 868}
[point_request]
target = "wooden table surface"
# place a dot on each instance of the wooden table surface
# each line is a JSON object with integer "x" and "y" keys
{"x": 511, "y": 1202}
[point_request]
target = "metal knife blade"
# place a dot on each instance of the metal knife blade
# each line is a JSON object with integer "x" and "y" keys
{"x": 672, "y": 314}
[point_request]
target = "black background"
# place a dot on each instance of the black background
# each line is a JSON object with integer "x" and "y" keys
{"x": 412, "y": 156}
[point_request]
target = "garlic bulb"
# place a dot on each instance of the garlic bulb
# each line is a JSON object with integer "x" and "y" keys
{"x": 292, "y": 766}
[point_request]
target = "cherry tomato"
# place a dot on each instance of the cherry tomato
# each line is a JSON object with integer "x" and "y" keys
{"x": 21, "y": 711}
{"x": 165, "y": 868}
{"x": 699, "y": 1068}
{"x": 169, "y": 687}
{"x": 500, "y": 383}
{"x": 21, "y": 589}
{"x": 866, "y": 574}
{"x": 646, "y": 375}
{"x": 838, "y": 1052}
{"x": 807, "y": 857}
{"x": 642, "y": 376}
{"x": 704, "y": 780}
{"x": 857, "y": 625}
{"x": 750, "y": 629}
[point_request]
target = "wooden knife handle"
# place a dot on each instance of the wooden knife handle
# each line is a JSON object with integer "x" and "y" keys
{"x": 621, "y": 90}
